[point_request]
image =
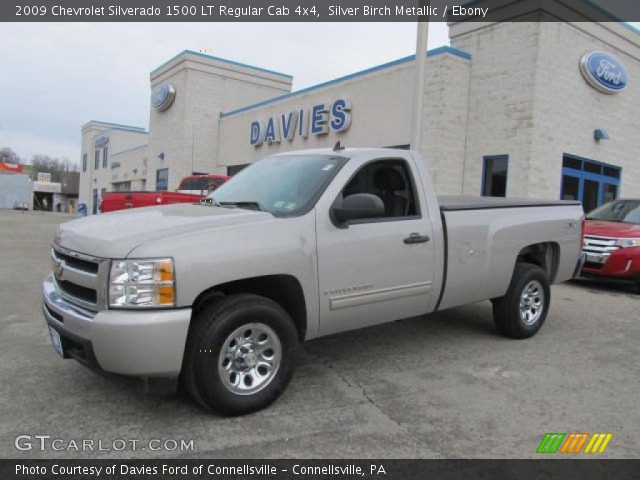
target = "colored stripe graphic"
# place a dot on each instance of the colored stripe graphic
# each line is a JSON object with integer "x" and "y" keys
{"x": 598, "y": 443}
{"x": 574, "y": 443}
{"x": 550, "y": 442}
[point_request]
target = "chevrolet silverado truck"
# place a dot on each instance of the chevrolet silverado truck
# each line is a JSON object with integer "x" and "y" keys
{"x": 612, "y": 241}
{"x": 217, "y": 296}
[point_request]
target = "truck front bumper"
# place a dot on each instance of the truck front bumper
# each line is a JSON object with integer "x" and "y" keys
{"x": 148, "y": 344}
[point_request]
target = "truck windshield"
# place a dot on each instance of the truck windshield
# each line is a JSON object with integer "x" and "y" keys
{"x": 625, "y": 211}
{"x": 286, "y": 185}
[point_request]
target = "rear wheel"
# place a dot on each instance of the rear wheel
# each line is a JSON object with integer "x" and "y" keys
{"x": 240, "y": 354}
{"x": 523, "y": 310}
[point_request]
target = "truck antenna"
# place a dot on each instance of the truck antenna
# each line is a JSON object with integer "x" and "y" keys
{"x": 337, "y": 147}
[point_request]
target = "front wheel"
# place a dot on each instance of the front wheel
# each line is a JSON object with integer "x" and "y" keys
{"x": 240, "y": 354}
{"x": 523, "y": 309}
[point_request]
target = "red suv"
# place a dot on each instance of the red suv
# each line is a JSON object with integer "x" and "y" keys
{"x": 612, "y": 241}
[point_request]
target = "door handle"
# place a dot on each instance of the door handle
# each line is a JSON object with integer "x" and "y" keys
{"x": 416, "y": 238}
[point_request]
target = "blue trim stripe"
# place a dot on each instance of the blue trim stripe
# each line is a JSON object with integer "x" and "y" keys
{"x": 400, "y": 61}
{"x": 130, "y": 149}
{"x": 451, "y": 50}
{"x": 231, "y": 62}
{"x": 118, "y": 126}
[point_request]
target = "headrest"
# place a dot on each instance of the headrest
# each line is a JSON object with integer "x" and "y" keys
{"x": 388, "y": 179}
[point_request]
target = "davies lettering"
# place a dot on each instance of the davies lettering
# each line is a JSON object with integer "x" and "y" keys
{"x": 317, "y": 120}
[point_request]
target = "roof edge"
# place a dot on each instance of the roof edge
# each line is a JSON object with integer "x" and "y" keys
{"x": 130, "y": 128}
{"x": 220, "y": 59}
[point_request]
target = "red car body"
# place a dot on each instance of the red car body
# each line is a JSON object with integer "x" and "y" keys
{"x": 200, "y": 185}
{"x": 612, "y": 246}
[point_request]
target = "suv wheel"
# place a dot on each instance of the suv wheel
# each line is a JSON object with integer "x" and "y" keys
{"x": 241, "y": 354}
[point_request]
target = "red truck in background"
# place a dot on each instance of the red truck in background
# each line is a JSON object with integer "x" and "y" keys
{"x": 612, "y": 241}
{"x": 191, "y": 189}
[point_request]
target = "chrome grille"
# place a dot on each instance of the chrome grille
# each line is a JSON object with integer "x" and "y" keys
{"x": 81, "y": 279}
{"x": 599, "y": 245}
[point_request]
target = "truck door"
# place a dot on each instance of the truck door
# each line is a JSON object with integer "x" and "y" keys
{"x": 379, "y": 269}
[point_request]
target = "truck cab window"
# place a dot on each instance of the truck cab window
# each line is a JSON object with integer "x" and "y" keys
{"x": 391, "y": 181}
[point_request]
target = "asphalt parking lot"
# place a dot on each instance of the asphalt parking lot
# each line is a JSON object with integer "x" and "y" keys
{"x": 443, "y": 386}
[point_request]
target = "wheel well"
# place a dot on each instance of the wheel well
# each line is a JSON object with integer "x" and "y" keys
{"x": 545, "y": 255}
{"x": 285, "y": 290}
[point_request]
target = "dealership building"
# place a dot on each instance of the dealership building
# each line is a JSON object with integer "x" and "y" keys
{"x": 533, "y": 108}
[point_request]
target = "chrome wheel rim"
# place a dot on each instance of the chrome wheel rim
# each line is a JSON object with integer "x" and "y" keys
{"x": 531, "y": 302}
{"x": 249, "y": 359}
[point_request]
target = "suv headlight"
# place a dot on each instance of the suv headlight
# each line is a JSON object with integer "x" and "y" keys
{"x": 142, "y": 284}
{"x": 628, "y": 242}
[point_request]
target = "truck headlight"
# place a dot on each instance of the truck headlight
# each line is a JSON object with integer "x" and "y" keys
{"x": 628, "y": 242}
{"x": 142, "y": 284}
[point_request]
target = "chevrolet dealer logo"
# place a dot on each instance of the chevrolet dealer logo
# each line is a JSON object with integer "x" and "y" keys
{"x": 574, "y": 443}
{"x": 57, "y": 269}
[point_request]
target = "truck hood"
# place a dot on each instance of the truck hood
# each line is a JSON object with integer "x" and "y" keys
{"x": 602, "y": 228}
{"x": 116, "y": 234}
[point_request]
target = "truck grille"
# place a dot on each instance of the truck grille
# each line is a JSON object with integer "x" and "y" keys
{"x": 80, "y": 279}
{"x": 599, "y": 245}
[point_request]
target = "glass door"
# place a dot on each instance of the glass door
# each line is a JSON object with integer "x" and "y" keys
{"x": 591, "y": 182}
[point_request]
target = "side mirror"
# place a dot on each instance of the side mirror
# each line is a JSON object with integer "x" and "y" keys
{"x": 358, "y": 206}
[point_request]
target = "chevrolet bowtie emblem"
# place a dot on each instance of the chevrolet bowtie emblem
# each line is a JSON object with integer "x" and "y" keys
{"x": 57, "y": 269}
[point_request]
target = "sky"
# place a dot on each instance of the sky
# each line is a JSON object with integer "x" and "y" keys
{"x": 58, "y": 76}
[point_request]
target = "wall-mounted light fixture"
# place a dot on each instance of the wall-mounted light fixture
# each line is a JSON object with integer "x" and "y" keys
{"x": 161, "y": 155}
{"x": 600, "y": 134}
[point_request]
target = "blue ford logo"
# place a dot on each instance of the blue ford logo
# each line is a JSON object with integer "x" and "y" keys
{"x": 162, "y": 96}
{"x": 603, "y": 72}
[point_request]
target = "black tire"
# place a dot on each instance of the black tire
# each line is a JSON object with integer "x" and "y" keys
{"x": 211, "y": 329}
{"x": 506, "y": 310}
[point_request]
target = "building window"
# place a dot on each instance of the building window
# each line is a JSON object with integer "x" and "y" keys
{"x": 122, "y": 187}
{"x": 96, "y": 160}
{"x": 233, "y": 169}
{"x": 162, "y": 179}
{"x": 84, "y": 162}
{"x": 494, "y": 176}
{"x": 105, "y": 153}
{"x": 591, "y": 182}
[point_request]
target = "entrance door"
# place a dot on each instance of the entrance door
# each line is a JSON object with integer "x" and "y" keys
{"x": 371, "y": 271}
{"x": 591, "y": 182}
{"x": 95, "y": 201}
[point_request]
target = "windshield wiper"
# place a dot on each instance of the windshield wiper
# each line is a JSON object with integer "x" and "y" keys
{"x": 243, "y": 204}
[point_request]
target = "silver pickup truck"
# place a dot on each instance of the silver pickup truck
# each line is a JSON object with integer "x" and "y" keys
{"x": 217, "y": 296}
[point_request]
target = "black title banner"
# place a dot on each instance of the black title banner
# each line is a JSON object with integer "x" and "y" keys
{"x": 316, "y": 10}
{"x": 316, "y": 469}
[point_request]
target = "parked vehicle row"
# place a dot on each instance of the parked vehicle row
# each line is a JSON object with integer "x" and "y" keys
{"x": 218, "y": 295}
{"x": 191, "y": 189}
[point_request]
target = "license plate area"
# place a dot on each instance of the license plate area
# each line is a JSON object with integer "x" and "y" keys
{"x": 56, "y": 341}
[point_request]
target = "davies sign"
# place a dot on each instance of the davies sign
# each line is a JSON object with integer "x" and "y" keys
{"x": 603, "y": 72}
{"x": 317, "y": 120}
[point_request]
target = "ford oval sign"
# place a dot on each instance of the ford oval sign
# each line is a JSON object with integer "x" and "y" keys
{"x": 603, "y": 72}
{"x": 162, "y": 96}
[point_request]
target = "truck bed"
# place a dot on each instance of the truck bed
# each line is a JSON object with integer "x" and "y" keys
{"x": 484, "y": 236}
{"x": 460, "y": 202}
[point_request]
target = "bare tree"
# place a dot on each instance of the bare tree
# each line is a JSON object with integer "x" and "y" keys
{"x": 52, "y": 165}
{"x": 7, "y": 155}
